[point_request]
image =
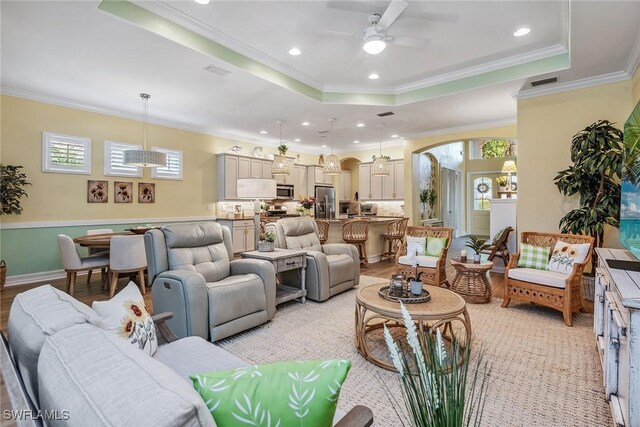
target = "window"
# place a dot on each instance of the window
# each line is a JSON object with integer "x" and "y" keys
{"x": 66, "y": 154}
{"x": 173, "y": 170}
{"x": 481, "y": 193}
{"x": 114, "y": 160}
{"x": 493, "y": 148}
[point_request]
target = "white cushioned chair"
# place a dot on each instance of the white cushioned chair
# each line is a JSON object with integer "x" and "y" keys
{"x": 73, "y": 263}
{"x": 331, "y": 268}
{"x": 549, "y": 288}
{"x": 193, "y": 276}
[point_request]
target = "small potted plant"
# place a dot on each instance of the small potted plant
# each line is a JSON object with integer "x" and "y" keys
{"x": 477, "y": 244}
{"x": 502, "y": 181}
{"x": 432, "y": 198}
{"x": 307, "y": 203}
{"x": 282, "y": 149}
{"x": 268, "y": 244}
{"x": 424, "y": 199}
{"x": 415, "y": 283}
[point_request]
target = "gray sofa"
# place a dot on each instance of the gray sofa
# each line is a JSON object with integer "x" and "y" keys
{"x": 56, "y": 360}
{"x": 331, "y": 268}
{"x": 192, "y": 276}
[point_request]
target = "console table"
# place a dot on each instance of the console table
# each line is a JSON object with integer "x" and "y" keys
{"x": 285, "y": 260}
{"x": 617, "y": 330}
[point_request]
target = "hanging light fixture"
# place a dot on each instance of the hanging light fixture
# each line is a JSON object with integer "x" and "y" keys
{"x": 280, "y": 165}
{"x": 380, "y": 165}
{"x": 145, "y": 158}
{"x": 332, "y": 163}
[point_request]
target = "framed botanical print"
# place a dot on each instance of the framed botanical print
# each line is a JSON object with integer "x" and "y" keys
{"x": 123, "y": 192}
{"x": 97, "y": 191}
{"x": 146, "y": 192}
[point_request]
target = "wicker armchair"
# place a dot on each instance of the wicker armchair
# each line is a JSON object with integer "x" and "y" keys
{"x": 433, "y": 269}
{"x": 561, "y": 295}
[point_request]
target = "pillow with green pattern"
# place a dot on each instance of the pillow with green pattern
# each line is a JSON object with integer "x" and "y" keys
{"x": 435, "y": 246}
{"x": 533, "y": 256}
{"x": 280, "y": 394}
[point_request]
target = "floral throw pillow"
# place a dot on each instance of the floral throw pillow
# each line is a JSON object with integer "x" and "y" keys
{"x": 126, "y": 316}
{"x": 416, "y": 245}
{"x": 564, "y": 255}
{"x": 303, "y": 394}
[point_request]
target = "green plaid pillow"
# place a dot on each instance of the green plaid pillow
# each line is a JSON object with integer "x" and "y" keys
{"x": 533, "y": 257}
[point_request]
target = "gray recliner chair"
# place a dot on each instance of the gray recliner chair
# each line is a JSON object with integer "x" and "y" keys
{"x": 331, "y": 268}
{"x": 193, "y": 276}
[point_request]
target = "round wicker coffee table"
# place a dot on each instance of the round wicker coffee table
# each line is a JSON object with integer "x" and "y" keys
{"x": 446, "y": 311}
{"x": 471, "y": 281}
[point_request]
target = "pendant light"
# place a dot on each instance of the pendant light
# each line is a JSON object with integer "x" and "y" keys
{"x": 280, "y": 165}
{"x": 332, "y": 163}
{"x": 145, "y": 158}
{"x": 380, "y": 165}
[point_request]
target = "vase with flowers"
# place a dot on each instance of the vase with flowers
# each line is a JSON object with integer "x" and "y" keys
{"x": 307, "y": 204}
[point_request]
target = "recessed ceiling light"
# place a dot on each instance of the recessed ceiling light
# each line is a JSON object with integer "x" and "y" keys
{"x": 264, "y": 132}
{"x": 297, "y": 140}
{"x": 305, "y": 123}
{"x": 294, "y": 51}
{"x": 360, "y": 125}
{"x": 323, "y": 146}
{"x": 394, "y": 136}
{"x": 202, "y": 1}
{"x": 522, "y": 32}
{"x": 356, "y": 142}
{"x": 374, "y": 76}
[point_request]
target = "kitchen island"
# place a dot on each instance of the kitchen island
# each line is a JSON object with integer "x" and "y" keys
{"x": 374, "y": 244}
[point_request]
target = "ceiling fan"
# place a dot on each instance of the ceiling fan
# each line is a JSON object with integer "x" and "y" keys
{"x": 375, "y": 36}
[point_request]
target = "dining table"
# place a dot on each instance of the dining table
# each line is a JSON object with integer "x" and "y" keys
{"x": 99, "y": 241}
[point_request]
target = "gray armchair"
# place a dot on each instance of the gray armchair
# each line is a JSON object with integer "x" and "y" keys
{"x": 193, "y": 276}
{"x": 331, "y": 268}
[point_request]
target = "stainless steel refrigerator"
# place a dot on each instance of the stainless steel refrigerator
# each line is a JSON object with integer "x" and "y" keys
{"x": 325, "y": 202}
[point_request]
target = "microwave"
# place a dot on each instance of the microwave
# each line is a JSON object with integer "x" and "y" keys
{"x": 284, "y": 191}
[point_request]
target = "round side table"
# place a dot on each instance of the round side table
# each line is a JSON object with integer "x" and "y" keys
{"x": 471, "y": 281}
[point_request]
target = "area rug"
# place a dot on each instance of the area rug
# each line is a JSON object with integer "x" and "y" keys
{"x": 543, "y": 373}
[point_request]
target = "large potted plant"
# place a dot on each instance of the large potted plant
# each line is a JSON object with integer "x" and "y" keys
{"x": 424, "y": 199}
{"x": 596, "y": 153}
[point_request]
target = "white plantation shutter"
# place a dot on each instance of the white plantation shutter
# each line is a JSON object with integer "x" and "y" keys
{"x": 66, "y": 154}
{"x": 114, "y": 160}
{"x": 173, "y": 170}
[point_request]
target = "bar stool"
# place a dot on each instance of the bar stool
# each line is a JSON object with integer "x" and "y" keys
{"x": 323, "y": 231}
{"x": 356, "y": 232}
{"x": 394, "y": 236}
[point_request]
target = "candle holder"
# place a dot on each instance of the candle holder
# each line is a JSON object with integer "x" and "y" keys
{"x": 463, "y": 258}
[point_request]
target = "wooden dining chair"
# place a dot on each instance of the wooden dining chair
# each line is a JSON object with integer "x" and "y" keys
{"x": 499, "y": 247}
{"x": 127, "y": 256}
{"x": 73, "y": 263}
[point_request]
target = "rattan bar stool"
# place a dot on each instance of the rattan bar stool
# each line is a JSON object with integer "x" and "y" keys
{"x": 356, "y": 232}
{"x": 395, "y": 237}
{"x": 323, "y": 231}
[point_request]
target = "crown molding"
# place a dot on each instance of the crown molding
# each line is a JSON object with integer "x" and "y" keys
{"x": 572, "y": 85}
{"x": 465, "y": 128}
{"x": 634, "y": 59}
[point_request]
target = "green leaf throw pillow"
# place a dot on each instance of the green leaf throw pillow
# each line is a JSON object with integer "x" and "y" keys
{"x": 280, "y": 394}
{"x": 533, "y": 256}
{"x": 435, "y": 245}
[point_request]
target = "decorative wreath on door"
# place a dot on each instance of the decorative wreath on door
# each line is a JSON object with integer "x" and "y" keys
{"x": 482, "y": 188}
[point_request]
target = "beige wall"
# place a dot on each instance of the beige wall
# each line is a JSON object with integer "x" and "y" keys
{"x": 62, "y": 197}
{"x": 546, "y": 126}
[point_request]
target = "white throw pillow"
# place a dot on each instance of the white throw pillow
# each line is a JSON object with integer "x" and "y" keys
{"x": 126, "y": 316}
{"x": 416, "y": 245}
{"x": 565, "y": 254}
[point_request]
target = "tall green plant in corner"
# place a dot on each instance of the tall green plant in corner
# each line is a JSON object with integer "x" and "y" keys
{"x": 12, "y": 183}
{"x": 596, "y": 153}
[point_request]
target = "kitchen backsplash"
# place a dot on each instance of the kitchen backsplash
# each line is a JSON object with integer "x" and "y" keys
{"x": 389, "y": 208}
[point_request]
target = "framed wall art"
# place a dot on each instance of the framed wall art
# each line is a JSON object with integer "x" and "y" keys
{"x": 97, "y": 191}
{"x": 146, "y": 192}
{"x": 123, "y": 192}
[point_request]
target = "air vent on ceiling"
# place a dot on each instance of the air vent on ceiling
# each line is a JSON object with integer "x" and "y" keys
{"x": 388, "y": 113}
{"x": 217, "y": 70}
{"x": 544, "y": 81}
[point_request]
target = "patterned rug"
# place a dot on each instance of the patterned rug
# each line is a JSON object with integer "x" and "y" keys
{"x": 543, "y": 373}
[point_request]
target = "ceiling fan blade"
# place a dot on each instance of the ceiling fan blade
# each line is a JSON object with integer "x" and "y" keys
{"x": 396, "y": 7}
{"x": 415, "y": 42}
{"x": 363, "y": 8}
{"x": 359, "y": 58}
{"x": 446, "y": 18}
{"x": 338, "y": 33}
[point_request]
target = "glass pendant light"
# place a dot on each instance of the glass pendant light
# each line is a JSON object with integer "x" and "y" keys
{"x": 145, "y": 158}
{"x": 280, "y": 165}
{"x": 332, "y": 163}
{"x": 380, "y": 165}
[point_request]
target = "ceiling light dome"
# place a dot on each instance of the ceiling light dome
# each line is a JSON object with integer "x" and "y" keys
{"x": 374, "y": 44}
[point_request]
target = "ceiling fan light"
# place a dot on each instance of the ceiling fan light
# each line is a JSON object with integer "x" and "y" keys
{"x": 374, "y": 44}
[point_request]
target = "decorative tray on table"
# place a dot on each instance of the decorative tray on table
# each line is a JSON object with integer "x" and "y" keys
{"x": 140, "y": 230}
{"x": 407, "y": 297}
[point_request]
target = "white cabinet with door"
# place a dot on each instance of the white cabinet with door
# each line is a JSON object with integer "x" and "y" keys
{"x": 299, "y": 181}
{"x": 242, "y": 234}
{"x": 389, "y": 187}
{"x": 244, "y": 167}
{"x": 364, "y": 189}
{"x": 232, "y": 167}
{"x": 316, "y": 176}
{"x": 345, "y": 185}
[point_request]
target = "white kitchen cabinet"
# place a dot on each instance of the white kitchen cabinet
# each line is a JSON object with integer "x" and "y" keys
{"x": 316, "y": 176}
{"x": 364, "y": 189}
{"x": 244, "y": 168}
{"x": 299, "y": 182}
{"x": 242, "y": 234}
{"x": 389, "y": 187}
{"x": 389, "y": 183}
{"x": 345, "y": 185}
{"x": 399, "y": 180}
{"x": 266, "y": 169}
{"x": 376, "y": 188}
{"x": 232, "y": 167}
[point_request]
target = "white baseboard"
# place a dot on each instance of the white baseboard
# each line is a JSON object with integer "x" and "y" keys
{"x": 44, "y": 276}
{"x": 374, "y": 258}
